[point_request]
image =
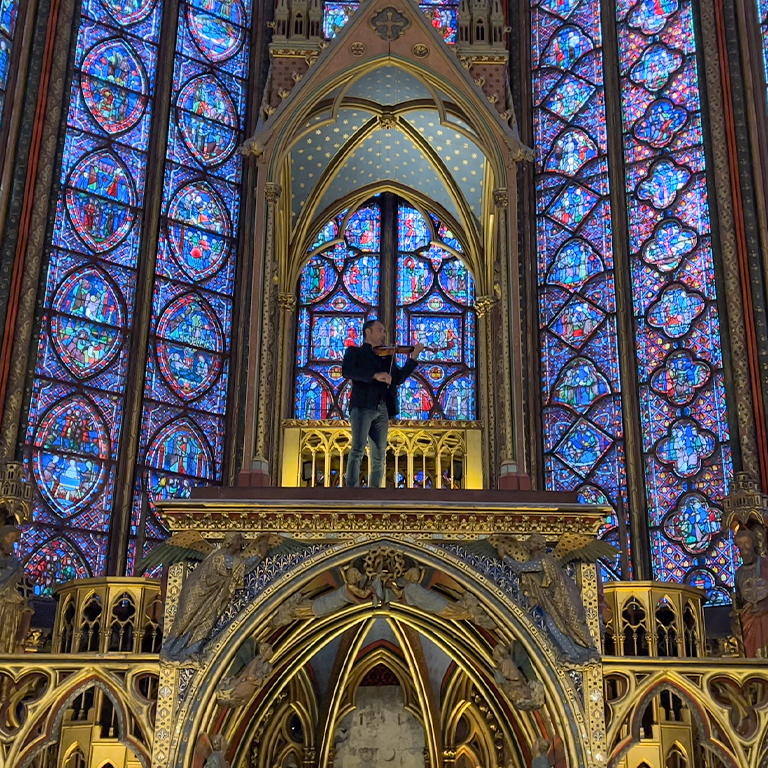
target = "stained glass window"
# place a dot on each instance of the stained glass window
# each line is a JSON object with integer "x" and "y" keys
{"x": 73, "y": 434}
{"x": 185, "y": 397}
{"x": 433, "y": 295}
{"x": 679, "y": 361}
{"x": 677, "y": 350}
{"x": 434, "y": 292}
{"x": 580, "y": 376}
{"x": 441, "y": 13}
{"x": 9, "y": 12}
{"x": 338, "y": 291}
{"x": 77, "y": 408}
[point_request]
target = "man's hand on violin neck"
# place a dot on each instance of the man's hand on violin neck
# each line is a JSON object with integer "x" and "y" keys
{"x": 417, "y": 350}
{"x": 382, "y": 376}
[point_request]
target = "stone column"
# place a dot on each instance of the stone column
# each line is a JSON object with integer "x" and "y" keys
{"x": 260, "y": 469}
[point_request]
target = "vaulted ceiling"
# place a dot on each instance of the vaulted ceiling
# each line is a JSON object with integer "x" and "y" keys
{"x": 388, "y": 126}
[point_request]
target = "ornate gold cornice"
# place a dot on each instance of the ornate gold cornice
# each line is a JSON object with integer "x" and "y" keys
{"x": 329, "y": 518}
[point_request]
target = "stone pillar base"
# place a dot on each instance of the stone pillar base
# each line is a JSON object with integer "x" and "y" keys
{"x": 257, "y": 476}
{"x": 512, "y": 480}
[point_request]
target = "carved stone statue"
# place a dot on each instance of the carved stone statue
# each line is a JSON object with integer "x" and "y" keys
{"x": 751, "y": 602}
{"x": 523, "y": 694}
{"x": 217, "y": 759}
{"x": 540, "y": 751}
{"x": 467, "y": 607}
{"x": 239, "y": 689}
{"x": 14, "y": 611}
{"x": 545, "y": 583}
{"x": 355, "y": 590}
{"x": 209, "y": 588}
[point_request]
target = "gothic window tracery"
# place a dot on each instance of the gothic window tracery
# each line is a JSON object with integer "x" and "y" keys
{"x": 669, "y": 268}
{"x": 76, "y": 415}
{"x": 432, "y": 292}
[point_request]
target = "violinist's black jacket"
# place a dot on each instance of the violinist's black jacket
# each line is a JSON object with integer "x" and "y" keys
{"x": 360, "y": 363}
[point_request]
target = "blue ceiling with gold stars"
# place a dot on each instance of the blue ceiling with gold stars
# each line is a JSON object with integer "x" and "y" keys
{"x": 355, "y": 151}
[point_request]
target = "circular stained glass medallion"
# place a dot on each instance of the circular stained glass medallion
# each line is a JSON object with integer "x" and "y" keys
{"x": 70, "y": 450}
{"x": 127, "y": 12}
{"x": 198, "y": 228}
{"x": 207, "y": 120}
{"x": 100, "y": 198}
{"x": 217, "y": 27}
{"x": 178, "y": 458}
{"x": 86, "y": 322}
{"x": 318, "y": 279}
{"x": 114, "y": 85}
{"x": 189, "y": 346}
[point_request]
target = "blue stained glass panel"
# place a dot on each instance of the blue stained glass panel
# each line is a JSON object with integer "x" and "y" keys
{"x": 434, "y": 306}
{"x": 185, "y": 396}
{"x": 339, "y": 289}
{"x": 581, "y": 381}
{"x": 441, "y": 13}
{"x": 73, "y": 435}
{"x": 688, "y": 464}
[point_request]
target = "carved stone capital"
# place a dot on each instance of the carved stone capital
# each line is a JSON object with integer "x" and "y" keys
{"x": 287, "y": 302}
{"x": 272, "y": 192}
{"x": 501, "y": 198}
{"x": 484, "y": 304}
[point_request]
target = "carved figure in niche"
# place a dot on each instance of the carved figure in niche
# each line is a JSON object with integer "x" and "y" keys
{"x": 540, "y": 752}
{"x": 356, "y": 589}
{"x": 237, "y": 690}
{"x": 523, "y": 694}
{"x": 15, "y": 613}
{"x": 545, "y": 582}
{"x": 411, "y": 592}
{"x": 751, "y": 604}
{"x": 215, "y": 748}
{"x": 209, "y": 588}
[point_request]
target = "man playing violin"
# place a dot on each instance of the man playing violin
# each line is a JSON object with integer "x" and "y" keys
{"x": 373, "y": 402}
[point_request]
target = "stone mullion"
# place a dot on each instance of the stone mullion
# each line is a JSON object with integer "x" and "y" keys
{"x": 633, "y": 435}
{"x": 30, "y": 215}
{"x": 130, "y": 431}
{"x": 740, "y": 352}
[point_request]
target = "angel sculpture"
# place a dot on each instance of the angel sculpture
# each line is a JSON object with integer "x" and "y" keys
{"x": 353, "y": 591}
{"x": 468, "y": 607}
{"x": 237, "y": 690}
{"x": 524, "y": 694}
{"x": 209, "y": 588}
{"x": 546, "y": 583}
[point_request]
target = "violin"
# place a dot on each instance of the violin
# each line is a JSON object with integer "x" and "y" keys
{"x": 393, "y": 349}
{"x": 402, "y": 349}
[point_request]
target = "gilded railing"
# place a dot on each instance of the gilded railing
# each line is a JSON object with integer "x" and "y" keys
{"x": 434, "y": 454}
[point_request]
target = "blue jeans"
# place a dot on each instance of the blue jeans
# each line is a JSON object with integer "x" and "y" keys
{"x": 367, "y": 423}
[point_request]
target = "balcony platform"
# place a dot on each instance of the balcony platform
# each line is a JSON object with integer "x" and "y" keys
{"x": 314, "y": 513}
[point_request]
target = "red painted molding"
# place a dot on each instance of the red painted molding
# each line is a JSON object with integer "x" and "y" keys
{"x": 6, "y": 350}
{"x": 761, "y": 432}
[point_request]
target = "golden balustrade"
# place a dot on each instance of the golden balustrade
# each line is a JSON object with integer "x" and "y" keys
{"x": 420, "y": 454}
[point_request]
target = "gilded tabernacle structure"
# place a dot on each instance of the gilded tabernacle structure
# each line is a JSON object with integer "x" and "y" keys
{"x": 383, "y": 383}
